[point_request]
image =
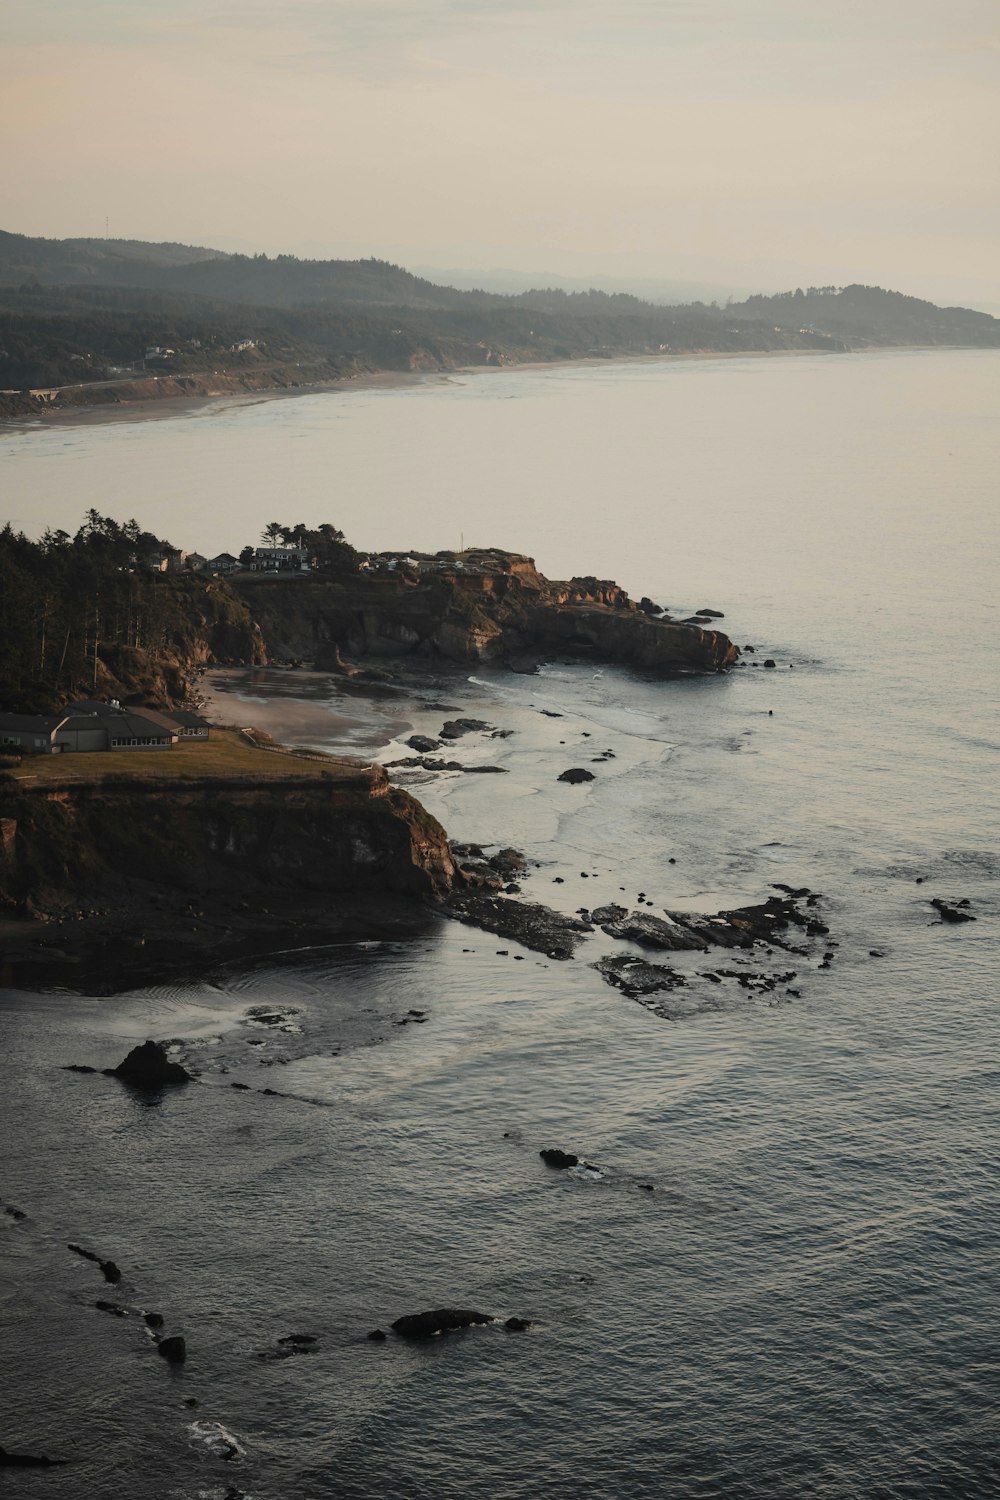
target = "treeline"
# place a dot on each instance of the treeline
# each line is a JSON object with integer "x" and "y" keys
{"x": 79, "y": 615}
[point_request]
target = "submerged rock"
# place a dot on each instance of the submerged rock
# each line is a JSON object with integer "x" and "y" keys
{"x": 173, "y": 1349}
{"x": 517, "y": 1325}
{"x": 576, "y": 774}
{"x": 427, "y": 1325}
{"x": 28, "y": 1461}
{"x": 634, "y": 976}
{"x": 149, "y": 1067}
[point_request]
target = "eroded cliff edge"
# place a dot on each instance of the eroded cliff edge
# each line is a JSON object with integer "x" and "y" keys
{"x": 479, "y": 605}
{"x": 136, "y": 872}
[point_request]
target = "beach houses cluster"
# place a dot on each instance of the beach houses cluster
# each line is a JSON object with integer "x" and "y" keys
{"x": 88, "y": 725}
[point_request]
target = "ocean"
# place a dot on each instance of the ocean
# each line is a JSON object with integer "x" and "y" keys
{"x": 782, "y": 1282}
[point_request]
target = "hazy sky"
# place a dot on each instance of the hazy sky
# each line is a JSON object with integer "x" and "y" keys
{"x": 763, "y": 142}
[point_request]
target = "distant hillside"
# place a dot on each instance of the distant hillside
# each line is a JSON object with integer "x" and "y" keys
{"x": 120, "y": 320}
{"x": 869, "y": 315}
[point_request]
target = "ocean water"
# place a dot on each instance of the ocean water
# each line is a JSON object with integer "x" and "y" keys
{"x": 805, "y": 1304}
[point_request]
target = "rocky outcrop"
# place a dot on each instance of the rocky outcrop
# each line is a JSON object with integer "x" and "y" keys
{"x": 482, "y": 604}
{"x": 149, "y": 1067}
{"x": 427, "y": 1325}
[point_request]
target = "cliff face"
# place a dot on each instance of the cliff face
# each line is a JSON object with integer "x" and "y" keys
{"x": 99, "y": 842}
{"x": 484, "y": 605}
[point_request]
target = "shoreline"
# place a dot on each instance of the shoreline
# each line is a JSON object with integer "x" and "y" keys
{"x": 142, "y": 408}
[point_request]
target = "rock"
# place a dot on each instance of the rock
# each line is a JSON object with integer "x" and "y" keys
{"x": 714, "y": 930}
{"x": 550, "y": 713}
{"x": 527, "y": 922}
{"x": 78, "y": 1068}
{"x": 509, "y": 862}
{"x": 635, "y": 977}
{"x": 153, "y": 1320}
{"x": 553, "y": 1157}
{"x": 453, "y": 729}
{"x": 770, "y": 662}
{"x": 299, "y": 1343}
{"x": 712, "y": 614}
{"x": 517, "y": 1325}
{"x": 576, "y": 774}
{"x": 173, "y": 1349}
{"x": 427, "y": 1325}
{"x": 148, "y": 1067}
{"x": 110, "y": 1307}
{"x": 610, "y": 913}
{"x": 655, "y": 932}
{"x": 28, "y": 1461}
{"x": 378, "y": 1336}
{"x": 953, "y": 911}
{"x": 423, "y": 743}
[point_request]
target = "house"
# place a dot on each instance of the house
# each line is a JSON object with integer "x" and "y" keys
{"x": 224, "y": 563}
{"x": 280, "y": 560}
{"x": 195, "y": 563}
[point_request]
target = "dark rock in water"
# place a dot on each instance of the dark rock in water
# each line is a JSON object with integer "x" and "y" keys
{"x": 148, "y": 1067}
{"x": 953, "y": 911}
{"x": 634, "y": 976}
{"x": 173, "y": 1349}
{"x": 525, "y": 666}
{"x": 423, "y": 743}
{"x": 876, "y": 953}
{"x": 655, "y": 932}
{"x": 378, "y": 1335}
{"x": 509, "y": 862}
{"x": 550, "y": 713}
{"x": 770, "y": 662}
{"x": 453, "y": 729}
{"x": 648, "y": 607}
{"x": 153, "y": 1320}
{"x": 426, "y": 1325}
{"x": 299, "y": 1340}
{"x": 527, "y": 922}
{"x": 108, "y": 1269}
{"x": 611, "y": 913}
{"x": 28, "y": 1461}
{"x": 712, "y": 614}
{"x": 517, "y": 1325}
{"x": 715, "y": 931}
{"x": 77, "y": 1068}
{"x": 553, "y": 1157}
{"x": 575, "y": 774}
{"x": 243, "y": 1087}
{"x": 647, "y": 1187}
{"x": 110, "y": 1307}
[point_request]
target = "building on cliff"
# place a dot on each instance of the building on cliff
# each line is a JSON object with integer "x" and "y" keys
{"x": 89, "y": 726}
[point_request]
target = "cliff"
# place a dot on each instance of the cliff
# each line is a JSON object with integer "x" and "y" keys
{"x": 478, "y": 605}
{"x": 131, "y": 839}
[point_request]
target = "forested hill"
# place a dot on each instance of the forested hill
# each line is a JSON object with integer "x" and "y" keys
{"x": 118, "y": 320}
{"x": 870, "y": 315}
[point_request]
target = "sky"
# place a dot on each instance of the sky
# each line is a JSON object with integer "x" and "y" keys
{"x": 757, "y": 143}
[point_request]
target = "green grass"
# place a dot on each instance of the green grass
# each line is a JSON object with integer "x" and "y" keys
{"x": 228, "y": 755}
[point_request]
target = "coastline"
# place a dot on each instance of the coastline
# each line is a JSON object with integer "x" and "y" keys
{"x": 142, "y": 408}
